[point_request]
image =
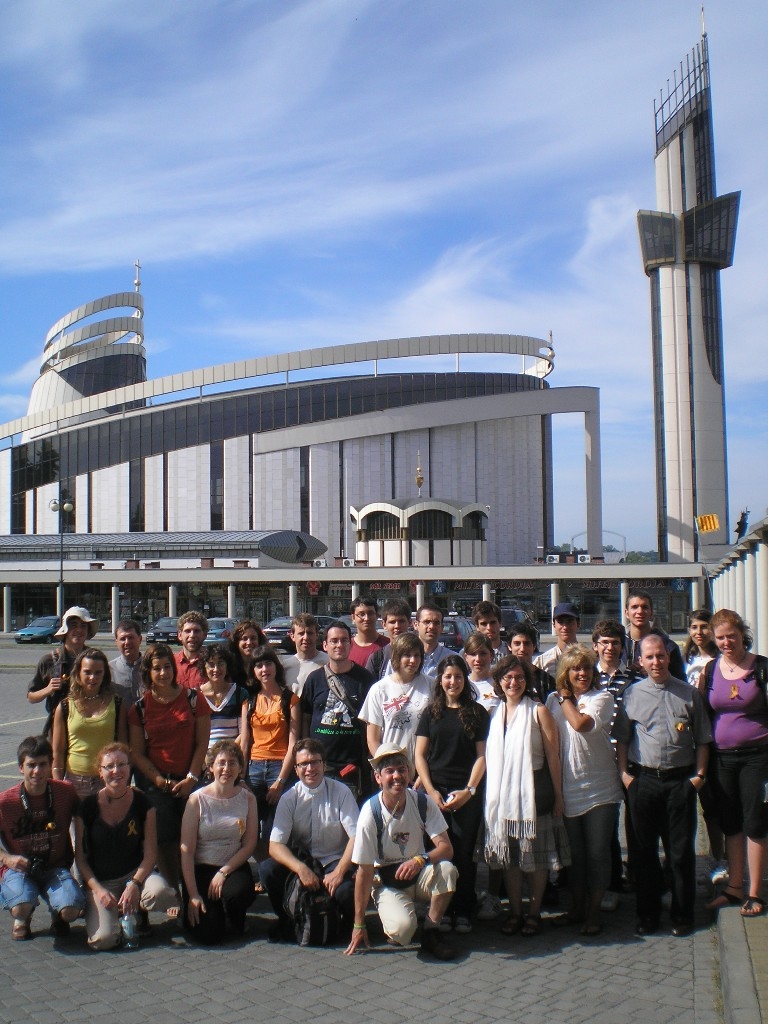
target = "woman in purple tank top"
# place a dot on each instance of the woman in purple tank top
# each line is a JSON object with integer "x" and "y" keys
{"x": 735, "y": 687}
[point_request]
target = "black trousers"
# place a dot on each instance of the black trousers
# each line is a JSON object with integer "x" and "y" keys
{"x": 664, "y": 808}
{"x": 237, "y": 894}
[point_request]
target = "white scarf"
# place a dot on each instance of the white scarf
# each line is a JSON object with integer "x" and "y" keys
{"x": 510, "y": 800}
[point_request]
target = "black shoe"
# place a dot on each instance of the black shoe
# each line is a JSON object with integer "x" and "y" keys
{"x": 279, "y": 931}
{"x": 59, "y": 927}
{"x": 681, "y": 929}
{"x": 647, "y": 926}
{"x": 433, "y": 943}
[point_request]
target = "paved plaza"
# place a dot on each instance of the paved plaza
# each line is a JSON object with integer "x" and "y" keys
{"x": 557, "y": 977}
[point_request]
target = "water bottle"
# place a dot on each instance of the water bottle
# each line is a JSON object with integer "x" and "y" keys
{"x": 129, "y": 931}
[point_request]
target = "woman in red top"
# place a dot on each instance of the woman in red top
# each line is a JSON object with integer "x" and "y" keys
{"x": 169, "y": 730}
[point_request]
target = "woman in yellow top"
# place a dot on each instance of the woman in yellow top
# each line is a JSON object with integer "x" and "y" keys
{"x": 91, "y": 716}
{"x": 274, "y": 720}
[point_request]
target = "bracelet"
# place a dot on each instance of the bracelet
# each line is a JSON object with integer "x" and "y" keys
{"x": 360, "y": 927}
{"x": 221, "y": 871}
{"x": 196, "y": 778}
{"x": 421, "y": 861}
{"x": 279, "y": 782}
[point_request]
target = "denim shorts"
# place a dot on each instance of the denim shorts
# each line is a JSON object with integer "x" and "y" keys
{"x": 57, "y": 887}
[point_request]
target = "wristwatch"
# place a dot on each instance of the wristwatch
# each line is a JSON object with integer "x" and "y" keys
{"x": 562, "y": 699}
{"x": 471, "y": 790}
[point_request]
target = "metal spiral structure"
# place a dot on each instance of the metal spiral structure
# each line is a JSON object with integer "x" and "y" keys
{"x": 82, "y": 358}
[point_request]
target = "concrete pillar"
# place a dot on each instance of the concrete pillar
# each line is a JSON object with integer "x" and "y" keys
{"x": 760, "y": 624}
{"x": 355, "y": 591}
{"x": 623, "y": 598}
{"x": 293, "y": 598}
{"x": 115, "y": 607}
{"x": 593, "y": 483}
{"x": 6, "y": 608}
{"x": 173, "y": 596}
{"x": 231, "y": 601}
{"x": 554, "y": 598}
{"x": 421, "y": 593}
{"x": 697, "y": 593}
{"x": 487, "y": 592}
{"x": 741, "y": 579}
{"x": 750, "y": 586}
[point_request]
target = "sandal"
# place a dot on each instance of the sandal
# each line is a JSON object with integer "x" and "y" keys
{"x": 21, "y": 930}
{"x": 591, "y": 930}
{"x": 531, "y": 925}
{"x": 725, "y": 899}
{"x": 511, "y": 924}
{"x": 752, "y": 906}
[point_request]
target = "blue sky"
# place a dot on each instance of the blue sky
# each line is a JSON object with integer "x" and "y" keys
{"x": 301, "y": 173}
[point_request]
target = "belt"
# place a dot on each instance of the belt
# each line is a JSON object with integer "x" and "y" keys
{"x": 664, "y": 773}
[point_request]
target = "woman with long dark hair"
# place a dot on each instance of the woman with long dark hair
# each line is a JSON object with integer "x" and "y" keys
{"x": 246, "y": 637}
{"x": 274, "y": 722}
{"x": 450, "y": 761}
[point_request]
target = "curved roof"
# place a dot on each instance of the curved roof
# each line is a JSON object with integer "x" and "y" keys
{"x": 406, "y": 508}
{"x": 536, "y": 355}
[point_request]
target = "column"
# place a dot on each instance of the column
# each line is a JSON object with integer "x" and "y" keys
{"x": 760, "y": 624}
{"x": 115, "y": 606}
{"x": 173, "y": 594}
{"x": 750, "y": 586}
{"x": 697, "y": 597}
{"x": 421, "y": 593}
{"x": 293, "y": 598}
{"x": 231, "y": 602}
{"x": 355, "y": 591}
{"x": 623, "y": 598}
{"x": 740, "y": 574}
{"x": 593, "y": 482}
{"x": 6, "y": 608}
{"x": 487, "y": 592}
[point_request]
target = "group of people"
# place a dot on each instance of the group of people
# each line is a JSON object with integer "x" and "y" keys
{"x": 384, "y": 766}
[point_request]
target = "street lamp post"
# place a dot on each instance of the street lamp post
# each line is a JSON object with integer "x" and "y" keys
{"x": 61, "y": 506}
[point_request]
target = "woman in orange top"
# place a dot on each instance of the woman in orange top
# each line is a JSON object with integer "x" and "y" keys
{"x": 274, "y": 720}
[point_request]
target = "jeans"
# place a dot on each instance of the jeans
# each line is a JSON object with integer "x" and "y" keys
{"x": 262, "y": 775}
{"x": 589, "y": 835}
{"x": 56, "y": 885}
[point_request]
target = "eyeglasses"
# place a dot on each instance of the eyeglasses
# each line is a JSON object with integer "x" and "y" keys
{"x": 309, "y": 764}
{"x": 115, "y": 767}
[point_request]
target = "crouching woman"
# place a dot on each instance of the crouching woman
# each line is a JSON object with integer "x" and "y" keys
{"x": 115, "y": 851}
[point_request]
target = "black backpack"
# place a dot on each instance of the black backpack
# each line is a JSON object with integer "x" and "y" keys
{"x": 314, "y": 912}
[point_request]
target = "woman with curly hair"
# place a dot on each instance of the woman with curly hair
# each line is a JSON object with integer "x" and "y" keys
{"x": 87, "y": 718}
{"x": 583, "y": 714}
{"x": 246, "y": 637}
{"x": 450, "y": 761}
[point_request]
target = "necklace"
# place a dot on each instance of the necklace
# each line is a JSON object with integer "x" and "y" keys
{"x": 90, "y": 700}
{"x": 729, "y": 667}
{"x": 114, "y": 799}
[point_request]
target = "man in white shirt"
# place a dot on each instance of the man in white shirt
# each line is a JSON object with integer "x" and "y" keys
{"x": 565, "y": 625}
{"x": 393, "y": 865}
{"x": 318, "y": 815}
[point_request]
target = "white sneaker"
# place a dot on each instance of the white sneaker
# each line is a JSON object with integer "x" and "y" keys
{"x": 610, "y": 902}
{"x": 489, "y": 908}
{"x": 446, "y": 924}
{"x": 462, "y": 926}
{"x": 720, "y": 873}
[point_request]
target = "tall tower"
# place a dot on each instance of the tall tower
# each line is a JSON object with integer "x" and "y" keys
{"x": 685, "y": 245}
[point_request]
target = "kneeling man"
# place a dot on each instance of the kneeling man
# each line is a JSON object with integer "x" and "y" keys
{"x": 35, "y": 846}
{"x": 318, "y": 814}
{"x": 392, "y": 863}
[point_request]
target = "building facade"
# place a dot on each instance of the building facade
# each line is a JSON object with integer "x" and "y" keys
{"x": 685, "y": 245}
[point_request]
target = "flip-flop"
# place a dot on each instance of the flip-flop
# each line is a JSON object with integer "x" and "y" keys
{"x": 725, "y": 899}
{"x": 511, "y": 924}
{"x": 752, "y": 906}
{"x": 531, "y": 925}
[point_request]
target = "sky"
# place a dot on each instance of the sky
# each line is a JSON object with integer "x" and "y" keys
{"x": 294, "y": 174}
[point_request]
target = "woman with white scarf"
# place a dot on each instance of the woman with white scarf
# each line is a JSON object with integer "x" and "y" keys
{"x": 524, "y": 832}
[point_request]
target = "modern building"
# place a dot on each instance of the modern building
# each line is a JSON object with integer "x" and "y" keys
{"x": 240, "y": 465}
{"x": 685, "y": 245}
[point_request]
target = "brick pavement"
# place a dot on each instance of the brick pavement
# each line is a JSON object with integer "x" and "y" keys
{"x": 557, "y": 977}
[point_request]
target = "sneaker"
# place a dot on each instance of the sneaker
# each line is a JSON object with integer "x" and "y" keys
{"x": 610, "y": 902}
{"x": 433, "y": 944}
{"x": 462, "y": 926}
{"x": 719, "y": 873}
{"x": 446, "y": 924}
{"x": 488, "y": 908}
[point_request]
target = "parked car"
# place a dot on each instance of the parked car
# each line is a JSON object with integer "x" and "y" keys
{"x": 277, "y": 631}
{"x": 39, "y": 631}
{"x": 219, "y": 630}
{"x": 164, "y": 631}
{"x": 511, "y": 617}
{"x": 456, "y": 631}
